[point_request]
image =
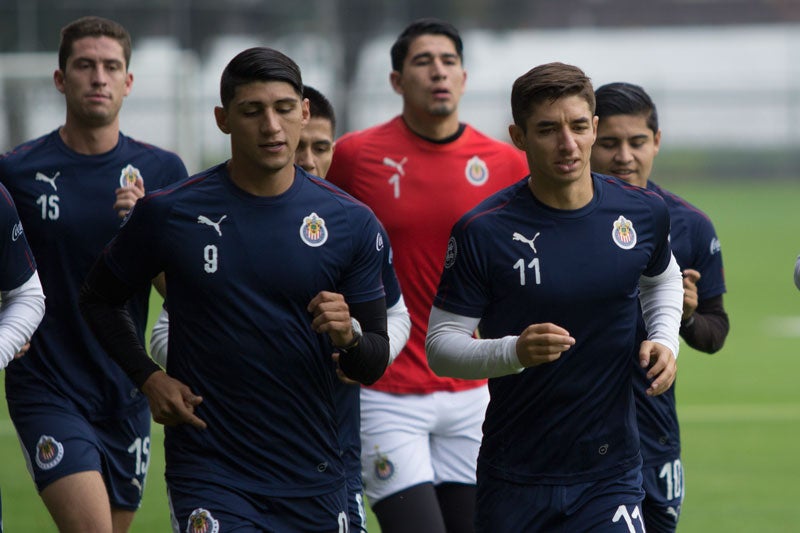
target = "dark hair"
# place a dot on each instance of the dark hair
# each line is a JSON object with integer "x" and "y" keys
{"x": 92, "y": 27}
{"x": 258, "y": 64}
{"x": 622, "y": 98}
{"x": 548, "y": 82}
{"x": 425, "y": 26}
{"x": 319, "y": 106}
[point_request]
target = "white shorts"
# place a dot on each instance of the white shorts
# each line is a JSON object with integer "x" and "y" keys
{"x": 408, "y": 439}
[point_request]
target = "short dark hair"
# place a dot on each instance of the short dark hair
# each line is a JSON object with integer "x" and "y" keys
{"x": 620, "y": 98}
{"x": 319, "y": 106}
{"x": 92, "y": 27}
{"x": 425, "y": 26}
{"x": 548, "y": 82}
{"x": 258, "y": 64}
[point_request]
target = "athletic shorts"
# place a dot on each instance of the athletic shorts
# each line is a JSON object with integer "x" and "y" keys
{"x": 608, "y": 505}
{"x": 58, "y": 441}
{"x": 201, "y": 506}
{"x": 663, "y": 487}
{"x": 409, "y": 439}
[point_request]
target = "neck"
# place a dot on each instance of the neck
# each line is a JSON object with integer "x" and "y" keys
{"x": 433, "y": 127}
{"x": 260, "y": 182}
{"x": 90, "y": 140}
{"x": 565, "y": 196}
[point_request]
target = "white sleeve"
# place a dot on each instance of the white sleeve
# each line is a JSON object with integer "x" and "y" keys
{"x": 797, "y": 272}
{"x": 21, "y": 310}
{"x": 661, "y": 298}
{"x": 159, "y": 339}
{"x": 398, "y": 323}
{"x": 453, "y": 351}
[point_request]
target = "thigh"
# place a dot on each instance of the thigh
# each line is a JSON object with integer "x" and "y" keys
{"x": 125, "y": 449}
{"x": 56, "y": 441}
{"x": 613, "y": 504}
{"x": 199, "y": 507}
{"x": 456, "y": 438}
{"x": 395, "y": 442}
{"x": 663, "y": 486}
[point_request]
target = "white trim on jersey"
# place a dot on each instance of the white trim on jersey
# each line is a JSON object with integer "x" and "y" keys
{"x": 159, "y": 338}
{"x": 453, "y": 351}
{"x": 21, "y": 310}
{"x": 797, "y": 272}
{"x": 661, "y": 298}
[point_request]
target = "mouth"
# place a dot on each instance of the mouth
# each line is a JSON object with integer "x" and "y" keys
{"x": 441, "y": 94}
{"x": 567, "y": 165}
{"x": 274, "y": 146}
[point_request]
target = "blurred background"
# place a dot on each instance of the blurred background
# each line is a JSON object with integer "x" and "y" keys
{"x": 725, "y": 74}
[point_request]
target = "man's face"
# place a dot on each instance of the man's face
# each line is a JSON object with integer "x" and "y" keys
{"x": 625, "y": 148}
{"x": 264, "y": 120}
{"x": 315, "y": 150}
{"x": 558, "y": 140}
{"x": 433, "y": 78}
{"x": 95, "y": 80}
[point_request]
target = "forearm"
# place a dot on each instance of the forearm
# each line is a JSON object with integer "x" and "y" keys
{"x": 707, "y": 328}
{"x": 21, "y": 310}
{"x": 367, "y": 360}
{"x": 661, "y": 299}
{"x": 398, "y": 323}
{"x": 453, "y": 351}
{"x": 102, "y": 303}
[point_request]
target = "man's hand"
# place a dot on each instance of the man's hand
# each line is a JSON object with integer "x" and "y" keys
{"x": 341, "y": 375}
{"x": 542, "y": 343}
{"x": 23, "y": 350}
{"x": 127, "y": 196}
{"x": 171, "y": 402}
{"x": 663, "y": 366}
{"x": 690, "y": 301}
{"x": 332, "y": 316}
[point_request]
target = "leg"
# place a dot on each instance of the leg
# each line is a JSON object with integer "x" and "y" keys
{"x": 457, "y": 503}
{"x": 396, "y": 462}
{"x": 121, "y": 519}
{"x": 79, "y": 503}
{"x": 413, "y": 509}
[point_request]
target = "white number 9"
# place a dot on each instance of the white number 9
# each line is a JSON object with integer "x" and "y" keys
{"x": 210, "y": 256}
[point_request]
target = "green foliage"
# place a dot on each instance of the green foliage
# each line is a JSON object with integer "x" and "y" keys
{"x": 739, "y": 409}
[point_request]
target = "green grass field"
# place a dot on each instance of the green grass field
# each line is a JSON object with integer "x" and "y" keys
{"x": 740, "y": 408}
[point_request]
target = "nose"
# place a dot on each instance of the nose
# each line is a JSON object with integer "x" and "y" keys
{"x": 567, "y": 141}
{"x": 302, "y": 157}
{"x": 439, "y": 72}
{"x": 623, "y": 154}
{"x": 270, "y": 123}
{"x": 99, "y": 75}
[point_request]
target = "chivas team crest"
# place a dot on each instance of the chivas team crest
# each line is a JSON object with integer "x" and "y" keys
{"x": 476, "y": 171}
{"x": 623, "y": 233}
{"x": 384, "y": 468}
{"x": 201, "y": 521}
{"x": 313, "y": 230}
{"x": 49, "y": 452}
{"x": 129, "y": 175}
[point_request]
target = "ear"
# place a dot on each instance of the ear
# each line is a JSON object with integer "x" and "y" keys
{"x": 657, "y": 141}
{"x": 395, "y": 78}
{"x": 58, "y": 80}
{"x": 128, "y": 83}
{"x": 595, "y": 122}
{"x": 221, "y": 116}
{"x": 517, "y": 136}
{"x": 306, "y": 110}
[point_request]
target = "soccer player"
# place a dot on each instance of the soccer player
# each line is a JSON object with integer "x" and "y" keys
{"x": 21, "y": 296}
{"x": 313, "y": 154}
{"x": 553, "y": 269}
{"x": 419, "y": 172}
{"x": 83, "y": 425}
{"x": 628, "y": 139}
{"x": 269, "y": 270}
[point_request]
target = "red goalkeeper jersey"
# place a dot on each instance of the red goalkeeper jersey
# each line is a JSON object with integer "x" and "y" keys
{"x": 419, "y": 189}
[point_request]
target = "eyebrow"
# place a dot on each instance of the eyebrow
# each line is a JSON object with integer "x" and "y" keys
{"x": 430, "y": 55}
{"x": 286, "y": 100}
{"x": 545, "y": 123}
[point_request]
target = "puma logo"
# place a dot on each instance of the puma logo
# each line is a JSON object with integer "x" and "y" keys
{"x": 202, "y": 219}
{"x": 530, "y": 242}
{"x": 395, "y": 165}
{"x": 51, "y": 181}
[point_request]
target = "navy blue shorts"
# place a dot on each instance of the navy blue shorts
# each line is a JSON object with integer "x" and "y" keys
{"x": 355, "y": 505}
{"x": 58, "y": 441}
{"x": 608, "y": 505}
{"x": 663, "y": 487}
{"x": 199, "y": 505}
